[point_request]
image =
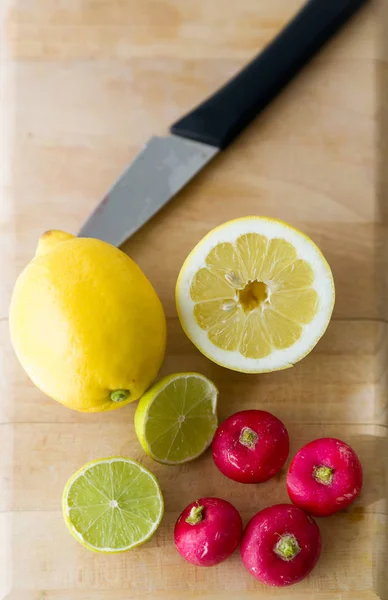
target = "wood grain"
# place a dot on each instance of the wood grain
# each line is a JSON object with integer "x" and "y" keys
{"x": 83, "y": 84}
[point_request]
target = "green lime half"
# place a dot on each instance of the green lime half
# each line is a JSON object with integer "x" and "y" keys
{"x": 112, "y": 505}
{"x": 176, "y": 419}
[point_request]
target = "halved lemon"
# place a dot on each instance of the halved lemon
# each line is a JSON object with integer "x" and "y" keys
{"x": 112, "y": 505}
{"x": 255, "y": 295}
{"x": 176, "y": 419}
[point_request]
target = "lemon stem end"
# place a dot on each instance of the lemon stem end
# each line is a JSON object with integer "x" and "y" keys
{"x": 119, "y": 395}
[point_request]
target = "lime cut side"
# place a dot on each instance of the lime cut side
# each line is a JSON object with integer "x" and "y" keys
{"x": 112, "y": 505}
{"x": 176, "y": 419}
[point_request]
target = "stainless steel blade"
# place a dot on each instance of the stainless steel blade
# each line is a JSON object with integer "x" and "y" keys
{"x": 161, "y": 169}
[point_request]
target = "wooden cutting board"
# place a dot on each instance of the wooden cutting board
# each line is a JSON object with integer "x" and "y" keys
{"x": 84, "y": 83}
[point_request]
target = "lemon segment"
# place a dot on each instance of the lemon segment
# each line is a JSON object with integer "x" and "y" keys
{"x": 252, "y": 248}
{"x": 207, "y": 285}
{"x": 255, "y": 342}
{"x": 112, "y": 505}
{"x": 255, "y": 295}
{"x": 176, "y": 419}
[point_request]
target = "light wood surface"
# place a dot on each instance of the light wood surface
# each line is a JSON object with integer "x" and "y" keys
{"x": 84, "y": 83}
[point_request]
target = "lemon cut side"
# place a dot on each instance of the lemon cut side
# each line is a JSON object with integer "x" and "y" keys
{"x": 255, "y": 295}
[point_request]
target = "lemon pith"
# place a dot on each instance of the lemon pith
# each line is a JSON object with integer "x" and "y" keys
{"x": 112, "y": 504}
{"x": 86, "y": 324}
{"x": 255, "y": 295}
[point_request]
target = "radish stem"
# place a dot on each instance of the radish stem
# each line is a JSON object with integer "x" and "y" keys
{"x": 196, "y": 515}
{"x": 287, "y": 547}
{"x": 323, "y": 474}
{"x": 248, "y": 437}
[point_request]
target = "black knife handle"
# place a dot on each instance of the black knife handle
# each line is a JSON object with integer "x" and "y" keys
{"x": 220, "y": 119}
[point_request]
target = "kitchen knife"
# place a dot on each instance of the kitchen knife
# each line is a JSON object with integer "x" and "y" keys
{"x": 167, "y": 164}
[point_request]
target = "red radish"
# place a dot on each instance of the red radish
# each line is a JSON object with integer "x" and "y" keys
{"x": 324, "y": 477}
{"x": 250, "y": 446}
{"x": 281, "y": 545}
{"x": 208, "y": 531}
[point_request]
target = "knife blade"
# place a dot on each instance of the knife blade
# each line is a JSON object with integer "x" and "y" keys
{"x": 167, "y": 164}
{"x": 157, "y": 173}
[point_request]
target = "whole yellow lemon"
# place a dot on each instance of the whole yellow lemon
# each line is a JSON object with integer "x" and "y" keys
{"x": 86, "y": 324}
